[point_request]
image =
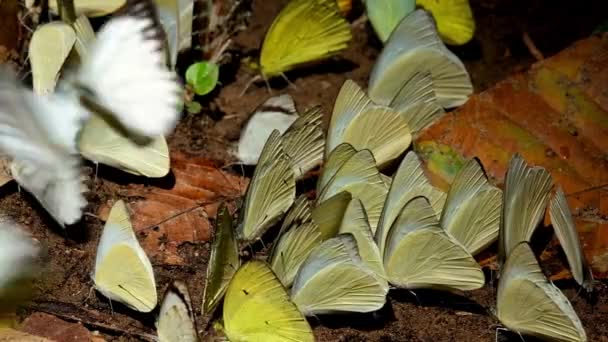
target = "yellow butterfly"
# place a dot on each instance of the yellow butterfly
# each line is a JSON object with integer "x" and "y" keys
{"x": 337, "y": 261}
{"x": 102, "y": 141}
{"x": 472, "y": 209}
{"x": 530, "y": 304}
{"x": 123, "y": 271}
{"x": 175, "y": 320}
{"x": 295, "y": 242}
{"x": 49, "y": 47}
{"x": 454, "y": 19}
{"x": 223, "y": 261}
{"x": 563, "y": 224}
{"x": 304, "y": 31}
{"x": 525, "y": 197}
{"x": 257, "y": 308}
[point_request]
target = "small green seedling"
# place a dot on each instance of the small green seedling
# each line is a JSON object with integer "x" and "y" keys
{"x": 202, "y": 77}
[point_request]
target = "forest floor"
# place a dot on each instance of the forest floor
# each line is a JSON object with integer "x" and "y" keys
{"x": 497, "y": 51}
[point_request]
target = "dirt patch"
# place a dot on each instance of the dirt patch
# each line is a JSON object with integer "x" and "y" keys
{"x": 497, "y": 51}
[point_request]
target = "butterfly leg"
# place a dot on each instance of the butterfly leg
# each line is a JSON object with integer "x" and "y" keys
{"x": 415, "y": 296}
{"x": 96, "y": 170}
{"x": 288, "y": 82}
{"x": 251, "y": 81}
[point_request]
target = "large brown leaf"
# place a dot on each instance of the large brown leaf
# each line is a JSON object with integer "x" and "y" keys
{"x": 164, "y": 219}
{"x": 556, "y": 116}
{"x": 56, "y": 329}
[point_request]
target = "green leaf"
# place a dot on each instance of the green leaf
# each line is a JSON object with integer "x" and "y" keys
{"x": 202, "y": 77}
{"x": 193, "y": 107}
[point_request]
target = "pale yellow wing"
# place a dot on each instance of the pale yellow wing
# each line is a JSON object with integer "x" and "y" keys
{"x": 175, "y": 321}
{"x": 49, "y": 47}
{"x": 525, "y": 197}
{"x": 333, "y": 163}
{"x": 415, "y": 47}
{"x": 101, "y": 142}
{"x": 337, "y": 261}
{"x": 257, "y": 308}
{"x": 529, "y": 304}
{"x": 409, "y": 182}
{"x": 292, "y": 248}
{"x": 122, "y": 270}
{"x": 420, "y": 254}
{"x": 271, "y": 191}
{"x": 304, "y": 31}
{"x": 565, "y": 229}
{"x": 328, "y": 214}
{"x": 350, "y": 102}
{"x": 385, "y": 15}
{"x": 223, "y": 261}
{"x": 356, "y": 223}
{"x": 304, "y": 141}
{"x": 472, "y": 209}
{"x": 454, "y": 18}
{"x": 359, "y": 168}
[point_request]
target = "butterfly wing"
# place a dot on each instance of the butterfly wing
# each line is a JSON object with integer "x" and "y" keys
{"x": 293, "y": 247}
{"x": 175, "y": 321}
{"x": 356, "y": 223}
{"x": 337, "y": 261}
{"x": 530, "y": 304}
{"x": 49, "y": 47}
{"x": 454, "y": 19}
{"x": 408, "y": 182}
{"x": 415, "y": 47}
{"x": 257, "y": 308}
{"x": 525, "y": 198}
{"x": 124, "y": 74}
{"x": 304, "y": 141}
{"x": 386, "y": 15}
{"x": 334, "y": 162}
{"x": 472, "y": 209}
{"x": 566, "y": 232}
{"x": 328, "y": 214}
{"x": 17, "y": 254}
{"x": 278, "y": 113}
{"x": 223, "y": 261}
{"x": 123, "y": 271}
{"x": 304, "y": 31}
{"x": 271, "y": 192}
{"x": 42, "y": 149}
{"x": 101, "y": 142}
{"x": 419, "y": 254}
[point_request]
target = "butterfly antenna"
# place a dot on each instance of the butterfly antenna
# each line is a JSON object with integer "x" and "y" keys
{"x": 415, "y": 296}
{"x": 289, "y": 82}
{"x": 251, "y": 81}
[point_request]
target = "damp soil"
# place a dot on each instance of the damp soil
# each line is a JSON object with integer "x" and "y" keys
{"x": 65, "y": 288}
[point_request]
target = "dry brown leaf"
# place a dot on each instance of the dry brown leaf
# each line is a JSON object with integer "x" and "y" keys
{"x": 556, "y": 116}
{"x": 164, "y": 219}
{"x": 56, "y": 329}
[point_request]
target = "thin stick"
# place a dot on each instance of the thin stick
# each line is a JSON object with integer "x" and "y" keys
{"x": 532, "y": 47}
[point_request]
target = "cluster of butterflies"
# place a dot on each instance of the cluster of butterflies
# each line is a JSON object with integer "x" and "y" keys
{"x": 364, "y": 233}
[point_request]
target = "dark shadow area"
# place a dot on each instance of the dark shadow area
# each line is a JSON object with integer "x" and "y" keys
{"x": 118, "y": 176}
{"x": 435, "y": 298}
{"x": 361, "y": 321}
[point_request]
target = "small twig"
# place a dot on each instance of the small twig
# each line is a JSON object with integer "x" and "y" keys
{"x": 532, "y": 47}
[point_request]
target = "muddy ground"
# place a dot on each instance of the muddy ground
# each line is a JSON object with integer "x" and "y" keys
{"x": 496, "y": 52}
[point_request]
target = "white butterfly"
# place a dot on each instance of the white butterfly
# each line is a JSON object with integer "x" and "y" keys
{"x": 122, "y": 76}
{"x": 43, "y": 151}
{"x": 17, "y": 253}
